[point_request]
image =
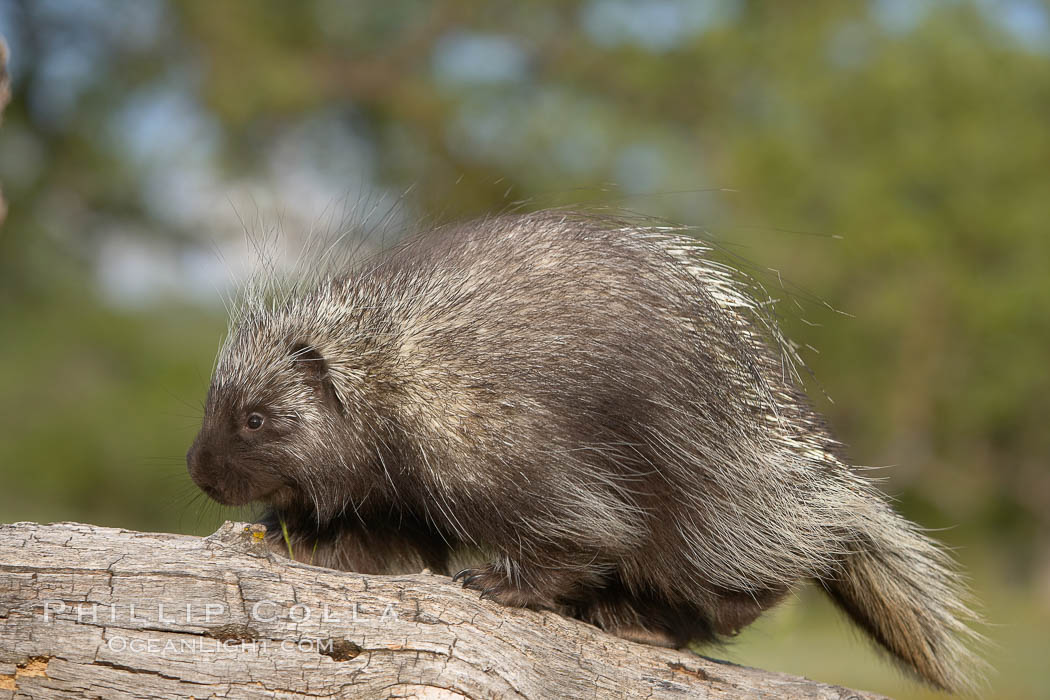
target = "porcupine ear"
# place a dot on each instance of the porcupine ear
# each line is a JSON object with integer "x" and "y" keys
{"x": 315, "y": 370}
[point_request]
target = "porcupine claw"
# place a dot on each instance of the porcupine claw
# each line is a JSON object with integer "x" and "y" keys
{"x": 470, "y": 578}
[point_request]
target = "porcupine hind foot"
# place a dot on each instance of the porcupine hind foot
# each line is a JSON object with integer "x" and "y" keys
{"x": 646, "y": 616}
{"x": 651, "y": 618}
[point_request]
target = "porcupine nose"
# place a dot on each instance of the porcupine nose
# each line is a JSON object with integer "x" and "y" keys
{"x": 200, "y": 462}
{"x": 196, "y": 460}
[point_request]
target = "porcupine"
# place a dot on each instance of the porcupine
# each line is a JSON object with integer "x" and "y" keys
{"x": 593, "y": 402}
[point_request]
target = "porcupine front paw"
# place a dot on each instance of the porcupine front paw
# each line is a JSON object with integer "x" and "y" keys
{"x": 495, "y": 585}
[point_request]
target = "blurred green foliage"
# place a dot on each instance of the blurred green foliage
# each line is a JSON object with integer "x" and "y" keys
{"x": 882, "y": 167}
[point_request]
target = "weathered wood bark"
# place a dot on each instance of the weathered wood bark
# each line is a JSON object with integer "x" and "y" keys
{"x": 88, "y": 612}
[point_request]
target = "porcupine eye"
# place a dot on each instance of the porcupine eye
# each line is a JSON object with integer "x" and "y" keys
{"x": 255, "y": 421}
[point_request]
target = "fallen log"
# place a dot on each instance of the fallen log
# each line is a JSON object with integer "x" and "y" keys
{"x": 93, "y": 612}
